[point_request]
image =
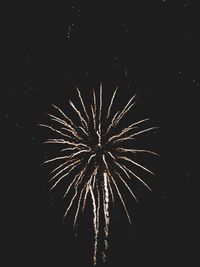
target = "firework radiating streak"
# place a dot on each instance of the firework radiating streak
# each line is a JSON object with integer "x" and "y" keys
{"x": 83, "y": 121}
{"x": 62, "y": 141}
{"x": 60, "y": 121}
{"x": 124, "y": 111}
{"x": 82, "y": 173}
{"x": 79, "y": 175}
{"x": 98, "y": 206}
{"x": 56, "y": 131}
{"x": 75, "y": 136}
{"x": 64, "y": 123}
{"x": 135, "y": 134}
{"x": 57, "y": 119}
{"x": 79, "y": 152}
{"x": 69, "y": 129}
{"x": 56, "y": 158}
{"x": 137, "y": 177}
{"x": 137, "y": 164}
{"x": 122, "y": 168}
{"x": 63, "y": 114}
{"x": 95, "y": 103}
{"x": 106, "y": 183}
{"x": 112, "y": 122}
{"x": 119, "y": 165}
{"x": 83, "y": 130}
{"x": 71, "y": 125}
{"x": 62, "y": 165}
{"x": 136, "y": 150}
{"x": 123, "y": 139}
{"x": 97, "y": 215}
{"x": 127, "y": 129}
{"x": 67, "y": 157}
{"x": 64, "y": 175}
{"x": 111, "y": 191}
{"x": 99, "y": 139}
{"x": 106, "y": 202}
{"x": 127, "y": 186}
{"x": 119, "y": 115}
{"x": 79, "y": 180}
{"x": 94, "y": 119}
{"x": 92, "y": 156}
{"x": 95, "y": 176}
{"x": 55, "y": 141}
{"x": 70, "y": 149}
{"x": 111, "y": 155}
{"x": 121, "y": 198}
{"x": 96, "y": 210}
{"x": 78, "y": 205}
{"x": 83, "y": 105}
{"x": 95, "y": 224}
{"x": 73, "y": 181}
{"x": 71, "y": 202}
{"x": 64, "y": 169}
{"x": 88, "y": 185}
{"x": 144, "y": 131}
{"x": 123, "y": 114}
{"x": 111, "y": 103}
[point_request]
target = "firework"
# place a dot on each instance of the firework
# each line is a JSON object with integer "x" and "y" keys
{"x": 96, "y": 157}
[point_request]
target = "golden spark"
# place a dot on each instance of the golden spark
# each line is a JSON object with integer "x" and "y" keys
{"x": 95, "y": 154}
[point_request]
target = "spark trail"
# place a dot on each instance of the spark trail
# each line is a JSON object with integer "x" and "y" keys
{"x": 96, "y": 159}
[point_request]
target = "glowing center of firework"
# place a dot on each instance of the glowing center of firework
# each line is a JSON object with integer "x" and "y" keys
{"x": 99, "y": 150}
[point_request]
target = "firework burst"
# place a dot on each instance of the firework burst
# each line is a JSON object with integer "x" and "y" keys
{"x": 95, "y": 158}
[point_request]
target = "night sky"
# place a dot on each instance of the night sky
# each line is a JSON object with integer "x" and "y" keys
{"x": 150, "y": 48}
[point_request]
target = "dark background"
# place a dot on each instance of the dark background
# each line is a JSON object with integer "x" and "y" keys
{"x": 150, "y": 48}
